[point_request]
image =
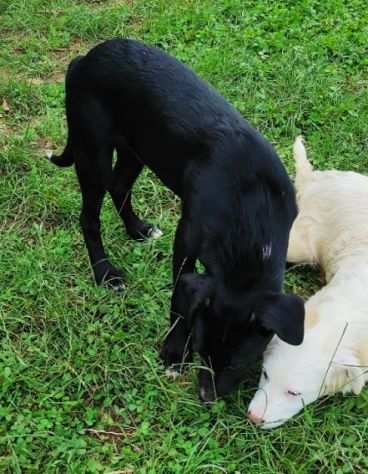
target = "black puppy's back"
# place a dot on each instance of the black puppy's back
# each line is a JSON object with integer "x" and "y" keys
{"x": 136, "y": 76}
{"x": 162, "y": 110}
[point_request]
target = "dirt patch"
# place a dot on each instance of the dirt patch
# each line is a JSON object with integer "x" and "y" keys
{"x": 110, "y": 3}
{"x": 5, "y": 128}
{"x": 112, "y": 433}
{"x": 5, "y": 74}
{"x": 63, "y": 56}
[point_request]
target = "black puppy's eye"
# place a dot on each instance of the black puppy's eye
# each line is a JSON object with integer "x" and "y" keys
{"x": 265, "y": 375}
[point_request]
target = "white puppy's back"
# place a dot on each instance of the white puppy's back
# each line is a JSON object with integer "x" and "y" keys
{"x": 333, "y": 221}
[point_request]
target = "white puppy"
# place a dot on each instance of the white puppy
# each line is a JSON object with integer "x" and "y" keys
{"x": 331, "y": 230}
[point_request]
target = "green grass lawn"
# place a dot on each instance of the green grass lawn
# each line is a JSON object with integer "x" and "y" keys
{"x": 82, "y": 390}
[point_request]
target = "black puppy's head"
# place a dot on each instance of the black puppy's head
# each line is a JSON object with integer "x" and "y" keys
{"x": 230, "y": 331}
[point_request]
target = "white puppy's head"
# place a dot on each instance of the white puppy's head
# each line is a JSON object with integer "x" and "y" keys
{"x": 295, "y": 376}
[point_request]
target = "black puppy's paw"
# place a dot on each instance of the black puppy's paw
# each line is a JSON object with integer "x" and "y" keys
{"x": 172, "y": 373}
{"x": 109, "y": 276}
{"x": 144, "y": 231}
{"x": 174, "y": 360}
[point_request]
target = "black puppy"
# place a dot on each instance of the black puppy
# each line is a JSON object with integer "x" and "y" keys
{"x": 238, "y": 203}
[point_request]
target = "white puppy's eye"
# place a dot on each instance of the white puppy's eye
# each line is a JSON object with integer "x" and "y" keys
{"x": 265, "y": 375}
{"x": 294, "y": 394}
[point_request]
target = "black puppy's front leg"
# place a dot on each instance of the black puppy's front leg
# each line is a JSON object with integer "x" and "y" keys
{"x": 177, "y": 349}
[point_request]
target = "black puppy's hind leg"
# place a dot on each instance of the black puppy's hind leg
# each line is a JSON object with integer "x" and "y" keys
{"x": 126, "y": 171}
{"x": 94, "y": 172}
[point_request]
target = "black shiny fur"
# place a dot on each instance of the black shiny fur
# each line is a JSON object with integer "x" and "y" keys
{"x": 238, "y": 203}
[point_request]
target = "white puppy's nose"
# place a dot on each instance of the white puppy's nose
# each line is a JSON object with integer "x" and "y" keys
{"x": 255, "y": 418}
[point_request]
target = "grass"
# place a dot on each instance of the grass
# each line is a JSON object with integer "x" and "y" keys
{"x": 81, "y": 389}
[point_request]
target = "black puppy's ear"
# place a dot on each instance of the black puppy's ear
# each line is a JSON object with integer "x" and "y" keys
{"x": 283, "y": 315}
{"x": 193, "y": 293}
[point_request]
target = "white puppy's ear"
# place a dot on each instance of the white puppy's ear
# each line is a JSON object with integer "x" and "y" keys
{"x": 346, "y": 375}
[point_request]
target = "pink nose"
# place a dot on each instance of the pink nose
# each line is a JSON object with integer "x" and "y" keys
{"x": 254, "y": 418}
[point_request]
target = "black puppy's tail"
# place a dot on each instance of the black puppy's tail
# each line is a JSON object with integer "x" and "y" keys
{"x": 66, "y": 158}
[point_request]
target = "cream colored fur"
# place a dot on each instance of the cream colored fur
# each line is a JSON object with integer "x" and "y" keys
{"x": 331, "y": 230}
